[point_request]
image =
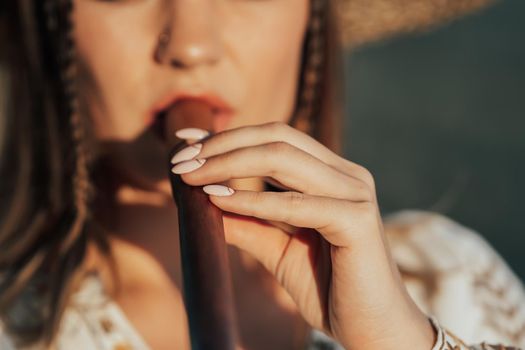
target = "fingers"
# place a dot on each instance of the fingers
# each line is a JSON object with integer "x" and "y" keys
{"x": 303, "y": 210}
{"x": 290, "y": 166}
{"x": 253, "y": 135}
{"x": 265, "y": 133}
{"x": 298, "y": 261}
{"x": 263, "y": 241}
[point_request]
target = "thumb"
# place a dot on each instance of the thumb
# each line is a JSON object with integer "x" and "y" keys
{"x": 264, "y": 241}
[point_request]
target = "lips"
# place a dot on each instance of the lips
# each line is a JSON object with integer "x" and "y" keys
{"x": 217, "y": 120}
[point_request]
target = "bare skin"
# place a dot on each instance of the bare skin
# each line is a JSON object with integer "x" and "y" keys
{"x": 247, "y": 53}
{"x": 151, "y": 285}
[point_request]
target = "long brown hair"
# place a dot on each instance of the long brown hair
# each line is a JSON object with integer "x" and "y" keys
{"x": 44, "y": 216}
{"x": 42, "y": 236}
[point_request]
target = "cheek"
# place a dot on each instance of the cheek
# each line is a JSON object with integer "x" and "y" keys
{"x": 114, "y": 60}
{"x": 264, "y": 39}
{"x": 270, "y": 48}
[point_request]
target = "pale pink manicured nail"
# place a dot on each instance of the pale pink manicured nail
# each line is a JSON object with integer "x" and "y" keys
{"x": 218, "y": 190}
{"x": 187, "y": 153}
{"x": 187, "y": 166}
{"x": 191, "y": 133}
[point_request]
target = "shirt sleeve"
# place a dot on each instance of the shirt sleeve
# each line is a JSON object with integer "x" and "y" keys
{"x": 457, "y": 277}
{"x": 446, "y": 340}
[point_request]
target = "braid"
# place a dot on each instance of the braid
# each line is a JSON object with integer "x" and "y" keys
{"x": 311, "y": 78}
{"x": 67, "y": 68}
{"x": 71, "y": 248}
{"x": 44, "y": 243}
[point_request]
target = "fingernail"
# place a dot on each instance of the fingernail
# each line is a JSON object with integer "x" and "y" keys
{"x": 191, "y": 133}
{"x": 218, "y": 190}
{"x": 187, "y": 153}
{"x": 187, "y": 166}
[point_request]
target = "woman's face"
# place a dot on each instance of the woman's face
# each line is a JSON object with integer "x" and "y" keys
{"x": 245, "y": 52}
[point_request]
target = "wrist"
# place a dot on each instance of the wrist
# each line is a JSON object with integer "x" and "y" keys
{"x": 416, "y": 333}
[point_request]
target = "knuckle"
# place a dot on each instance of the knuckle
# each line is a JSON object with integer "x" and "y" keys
{"x": 360, "y": 221}
{"x": 367, "y": 212}
{"x": 295, "y": 198}
{"x": 274, "y": 152}
{"x": 366, "y": 176}
{"x": 363, "y": 192}
{"x": 257, "y": 197}
{"x": 359, "y": 218}
{"x": 278, "y": 148}
{"x": 256, "y": 200}
{"x": 276, "y": 126}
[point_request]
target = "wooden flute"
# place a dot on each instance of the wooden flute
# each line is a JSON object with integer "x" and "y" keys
{"x": 208, "y": 294}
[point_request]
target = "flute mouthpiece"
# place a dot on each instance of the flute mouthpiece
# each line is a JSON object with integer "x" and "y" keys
{"x": 187, "y": 114}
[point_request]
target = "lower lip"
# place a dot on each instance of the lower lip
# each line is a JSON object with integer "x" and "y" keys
{"x": 221, "y": 120}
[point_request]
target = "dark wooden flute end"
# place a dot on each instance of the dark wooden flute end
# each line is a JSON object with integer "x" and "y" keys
{"x": 208, "y": 294}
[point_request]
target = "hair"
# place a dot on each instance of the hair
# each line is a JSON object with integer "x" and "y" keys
{"x": 44, "y": 182}
{"x": 45, "y": 193}
{"x": 319, "y": 104}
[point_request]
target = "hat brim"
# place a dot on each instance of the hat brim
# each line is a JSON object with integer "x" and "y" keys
{"x": 364, "y": 21}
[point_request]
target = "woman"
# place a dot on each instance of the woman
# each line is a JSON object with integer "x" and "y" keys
{"x": 89, "y": 238}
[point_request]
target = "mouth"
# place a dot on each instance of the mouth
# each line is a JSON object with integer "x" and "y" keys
{"x": 215, "y": 116}
{"x": 202, "y": 115}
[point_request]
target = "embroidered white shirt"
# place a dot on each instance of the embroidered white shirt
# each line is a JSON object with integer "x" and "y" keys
{"x": 470, "y": 294}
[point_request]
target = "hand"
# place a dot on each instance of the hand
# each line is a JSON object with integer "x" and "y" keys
{"x": 336, "y": 266}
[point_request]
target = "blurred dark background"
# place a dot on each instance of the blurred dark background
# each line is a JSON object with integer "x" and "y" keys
{"x": 439, "y": 120}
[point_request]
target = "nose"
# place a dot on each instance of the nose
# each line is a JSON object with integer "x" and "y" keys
{"x": 190, "y": 37}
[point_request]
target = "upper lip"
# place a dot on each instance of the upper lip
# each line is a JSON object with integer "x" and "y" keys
{"x": 217, "y": 103}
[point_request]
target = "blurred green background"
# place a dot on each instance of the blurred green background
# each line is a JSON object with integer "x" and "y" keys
{"x": 439, "y": 120}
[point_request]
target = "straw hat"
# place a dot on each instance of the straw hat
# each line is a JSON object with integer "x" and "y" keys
{"x": 363, "y": 21}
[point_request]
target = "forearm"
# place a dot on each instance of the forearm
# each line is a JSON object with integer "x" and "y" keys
{"x": 405, "y": 328}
